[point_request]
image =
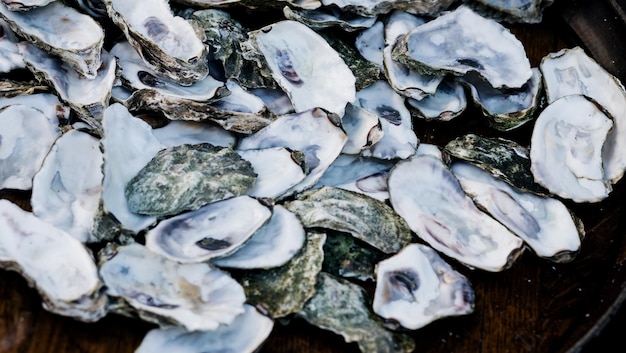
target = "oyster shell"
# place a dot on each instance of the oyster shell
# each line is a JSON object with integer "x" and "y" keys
{"x": 63, "y": 31}
{"x": 167, "y": 42}
{"x": 566, "y": 149}
{"x": 507, "y": 109}
{"x": 128, "y": 144}
{"x": 325, "y": 17}
{"x": 23, "y": 5}
{"x": 371, "y": 42}
{"x": 285, "y": 48}
{"x": 363, "y": 217}
{"x": 244, "y": 335}
{"x": 524, "y": 11}
{"x": 342, "y": 307}
{"x": 544, "y": 223}
{"x": 187, "y": 177}
{"x": 362, "y": 127}
{"x": 195, "y": 296}
{"x": 424, "y": 192}
{"x": 375, "y": 7}
{"x": 10, "y": 58}
{"x": 505, "y": 159}
{"x": 398, "y": 140}
{"x": 137, "y": 75}
{"x": 87, "y": 96}
{"x": 181, "y": 132}
{"x": 277, "y": 169}
{"x": 272, "y": 245}
{"x": 68, "y": 188}
{"x": 462, "y": 41}
{"x": 284, "y": 290}
{"x": 360, "y": 174}
{"x": 416, "y": 287}
{"x": 210, "y": 231}
{"x": 347, "y": 257}
{"x": 571, "y": 71}
{"x": 404, "y": 80}
{"x": 316, "y": 133}
{"x": 448, "y": 102}
{"x": 56, "y": 264}
{"x": 26, "y": 135}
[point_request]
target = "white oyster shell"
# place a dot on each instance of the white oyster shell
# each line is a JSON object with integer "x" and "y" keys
{"x": 544, "y": 223}
{"x": 27, "y": 135}
{"x": 362, "y": 127}
{"x": 272, "y": 245}
{"x": 416, "y": 287}
{"x": 58, "y": 265}
{"x": 167, "y": 42}
{"x": 448, "y": 102}
{"x": 287, "y": 48}
{"x": 399, "y": 139}
{"x": 68, "y": 187}
{"x": 278, "y": 169}
{"x": 407, "y": 82}
{"x": 196, "y": 296}
{"x": 462, "y": 41}
{"x": 181, "y": 132}
{"x": 566, "y": 149}
{"x": 22, "y": 5}
{"x": 128, "y": 145}
{"x": 61, "y": 30}
{"x": 10, "y": 58}
{"x": 571, "y": 71}
{"x": 313, "y": 132}
{"x": 244, "y": 335}
{"x": 360, "y": 174}
{"x": 87, "y": 96}
{"x": 138, "y": 75}
{"x": 427, "y": 195}
{"x": 211, "y": 231}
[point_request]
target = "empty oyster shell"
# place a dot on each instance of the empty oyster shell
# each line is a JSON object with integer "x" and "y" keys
{"x": 429, "y": 197}
{"x": 123, "y": 160}
{"x": 61, "y": 30}
{"x": 507, "y": 109}
{"x": 316, "y": 133}
{"x": 87, "y": 96}
{"x": 544, "y": 223}
{"x": 566, "y": 149}
{"x": 244, "y": 335}
{"x": 68, "y": 188}
{"x": 196, "y": 296}
{"x": 277, "y": 169}
{"x": 211, "y": 231}
{"x": 27, "y": 135}
{"x": 167, "y": 42}
{"x": 416, "y": 287}
{"x": 286, "y": 48}
{"x": 571, "y": 71}
{"x": 399, "y": 139}
{"x": 272, "y": 245}
{"x": 407, "y": 82}
{"x": 462, "y": 41}
{"x": 58, "y": 265}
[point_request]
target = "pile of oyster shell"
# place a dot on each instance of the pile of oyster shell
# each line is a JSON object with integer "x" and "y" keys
{"x": 228, "y": 176}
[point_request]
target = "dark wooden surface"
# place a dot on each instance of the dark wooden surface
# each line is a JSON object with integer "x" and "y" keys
{"x": 536, "y": 306}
